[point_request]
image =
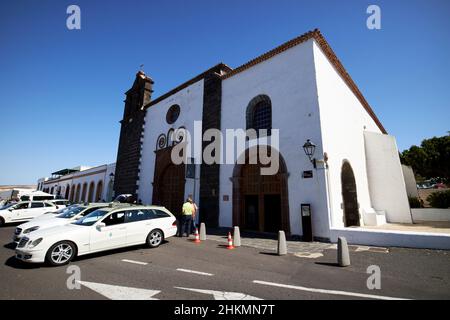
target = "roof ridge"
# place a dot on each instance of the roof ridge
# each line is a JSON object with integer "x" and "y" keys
{"x": 329, "y": 53}
{"x": 187, "y": 83}
{"x": 273, "y": 52}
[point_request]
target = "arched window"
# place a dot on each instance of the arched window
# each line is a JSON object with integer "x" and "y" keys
{"x": 259, "y": 114}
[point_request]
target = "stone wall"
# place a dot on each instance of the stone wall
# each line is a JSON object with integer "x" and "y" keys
{"x": 209, "y": 174}
{"x": 129, "y": 152}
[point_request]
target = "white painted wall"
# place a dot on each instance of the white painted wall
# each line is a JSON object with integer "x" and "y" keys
{"x": 386, "y": 183}
{"x": 289, "y": 80}
{"x": 343, "y": 121}
{"x": 190, "y": 101}
{"x": 430, "y": 214}
{"x": 391, "y": 238}
{"x": 93, "y": 174}
{"x": 410, "y": 181}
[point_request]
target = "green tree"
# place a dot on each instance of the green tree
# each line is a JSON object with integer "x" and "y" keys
{"x": 431, "y": 159}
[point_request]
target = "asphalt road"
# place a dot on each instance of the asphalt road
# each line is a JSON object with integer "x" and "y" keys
{"x": 405, "y": 273}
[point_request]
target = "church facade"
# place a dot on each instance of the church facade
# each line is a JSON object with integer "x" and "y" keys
{"x": 296, "y": 95}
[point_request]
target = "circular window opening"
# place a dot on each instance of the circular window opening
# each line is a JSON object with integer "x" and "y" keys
{"x": 173, "y": 113}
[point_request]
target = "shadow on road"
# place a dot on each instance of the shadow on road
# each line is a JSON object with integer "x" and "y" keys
{"x": 269, "y": 253}
{"x": 10, "y": 246}
{"x": 330, "y": 264}
{"x": 18, "y": 264}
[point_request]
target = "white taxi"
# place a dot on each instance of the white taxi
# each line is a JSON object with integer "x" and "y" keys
{"x": 52, "y": 219}
{"x": 103, "y": 229}
{"x": 24, "y": 211}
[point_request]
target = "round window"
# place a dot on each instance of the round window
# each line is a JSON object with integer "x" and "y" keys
{"x": 172, "y": 114}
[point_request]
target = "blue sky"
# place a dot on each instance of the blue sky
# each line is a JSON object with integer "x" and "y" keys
{"x": 62, "y": 91}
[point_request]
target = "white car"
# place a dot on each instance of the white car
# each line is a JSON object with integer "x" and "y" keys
{"x": 104, "y": 229}
{"x": 24, "y": 211}
{"x": 60, "y": 203}
{"x": 61, "y": 217}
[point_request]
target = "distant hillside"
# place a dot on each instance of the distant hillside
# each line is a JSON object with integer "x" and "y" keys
{"x": 6, "y": 187}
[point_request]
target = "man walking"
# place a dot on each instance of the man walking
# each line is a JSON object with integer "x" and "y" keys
{"x": 186, "y": 219}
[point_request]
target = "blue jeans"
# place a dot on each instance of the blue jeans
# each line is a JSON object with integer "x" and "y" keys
{"x": 186, "y": 225}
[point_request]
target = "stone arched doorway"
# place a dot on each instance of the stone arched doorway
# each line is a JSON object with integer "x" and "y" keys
{"x": 349, "y": 196}
{"x": 260, "y": 202}
{"x": 77, "y": 195}
{"x": 91, "y": 192}
{"x": 168, "y": 182}
{"x": 72, "y": 193}
{"x": 99, "y": 191}
{"x": 84, "y": 192}
{"x": 66, "y": 195}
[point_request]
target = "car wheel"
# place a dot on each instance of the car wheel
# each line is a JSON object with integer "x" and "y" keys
{"x": 155, "y": 238}
{"x": 61, "y": 253}
{"x": 2, "y": 222}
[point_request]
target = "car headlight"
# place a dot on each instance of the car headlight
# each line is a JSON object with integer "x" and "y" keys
{"x": 31, "y": 229}
{"x": 34, "y": 243}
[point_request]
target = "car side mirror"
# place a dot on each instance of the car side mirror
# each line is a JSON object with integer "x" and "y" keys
{"x": 10, "y": 209}
{"x": 100, "y": 226}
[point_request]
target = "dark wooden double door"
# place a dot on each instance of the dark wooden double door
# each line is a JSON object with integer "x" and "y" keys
{"x": 261, "y": 200}
{"x": 171, "y": 188}
{"x": 263, "y": 212}
{"x": 168, "y": 182}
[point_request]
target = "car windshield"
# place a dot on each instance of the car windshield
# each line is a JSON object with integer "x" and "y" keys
{"x": 7, "y": 206}
{"x": 63, "y": 210}
{"x": 70, "y": 212}
{"x": 91, "y": 218}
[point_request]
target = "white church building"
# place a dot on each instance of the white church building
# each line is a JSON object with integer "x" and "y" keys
{"x": 353, "y": 179}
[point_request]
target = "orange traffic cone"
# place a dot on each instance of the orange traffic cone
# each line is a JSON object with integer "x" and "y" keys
{"x": 197, "y": 237}
{"x": 230, "y": 242}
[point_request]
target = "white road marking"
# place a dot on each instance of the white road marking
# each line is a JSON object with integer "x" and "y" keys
{"x": 120, "y": 293}
{"x": 337, "y": 292}
{"x": 196, "y": 272}
{"x": 308, "y": 255}
{"x": 135, "y": 262}
{"x": 223, "y": 295}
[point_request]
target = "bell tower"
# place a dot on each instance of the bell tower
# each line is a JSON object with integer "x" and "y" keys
{"x": 132, "y": 124}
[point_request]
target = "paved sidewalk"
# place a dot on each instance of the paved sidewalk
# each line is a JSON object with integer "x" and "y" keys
{"x": 298, "y": 248}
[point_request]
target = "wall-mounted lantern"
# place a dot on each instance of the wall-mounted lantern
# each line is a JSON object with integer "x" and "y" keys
{"x": 309, "y": 149}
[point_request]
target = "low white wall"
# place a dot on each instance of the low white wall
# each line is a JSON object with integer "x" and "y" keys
{"x": 388, "y": 238}
{"x": 431, "y": 214}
